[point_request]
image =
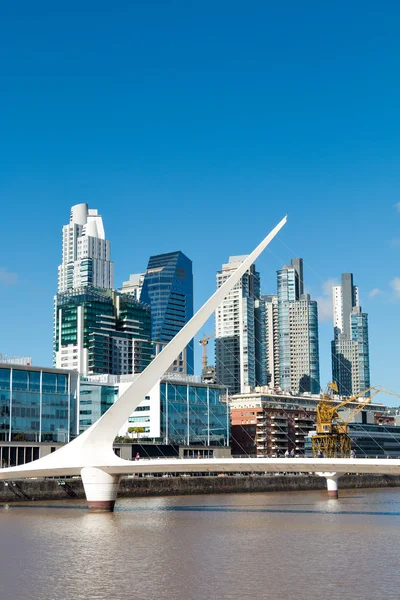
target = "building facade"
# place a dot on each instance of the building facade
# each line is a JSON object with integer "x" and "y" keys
{"x": 86, "y": 258}
{"x": 38, "y": 404}
{"x": 272, "y": 340}
{"x": 237, "y": 347}
{"x": 133, "y": 286}
{"x": 95, "y": 399}
{"x": 267, "y": 423}
{"x": 178, "y": 410}
{"x": 297, "y": 332}
{"x": 168, "y": 289}
{"x": 102, "y": 331}
{"x": 350, "y": 346}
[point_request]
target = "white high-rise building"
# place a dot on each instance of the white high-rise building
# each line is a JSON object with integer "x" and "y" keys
{"x": 235, "y": 339}
{"x": 340, "y": 303}
{"x": 134, "y": 285}
{"x": 350, "y": 346}
{"x": 85, "y": 252}
{"x": 298, "y": 332}
{"x": 272, "y": 335}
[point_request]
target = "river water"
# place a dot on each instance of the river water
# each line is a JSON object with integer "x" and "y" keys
{"x": 278, "y": 546}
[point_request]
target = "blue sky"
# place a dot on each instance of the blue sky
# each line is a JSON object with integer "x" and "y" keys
{"x": 196, "y": 126}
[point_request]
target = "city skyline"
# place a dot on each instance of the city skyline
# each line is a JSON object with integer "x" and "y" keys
{"x": 168, "y": 167}
{"x": 324, "y": 300}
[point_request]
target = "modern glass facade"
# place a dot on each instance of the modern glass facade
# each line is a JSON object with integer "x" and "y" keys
{"x": 359, "y": 334}
{"x": 38, "y": 405}
{"x": 288, "y": 291}
{"x": 350, "y": 346}
{"x": 95, "y": 400}
{"x": 168, "y": 290}
{"x": 102, "y": 331}
{"x": 240, "y": 343}
{"x": 193, "y": 414}
{"x": 297, "y": 333}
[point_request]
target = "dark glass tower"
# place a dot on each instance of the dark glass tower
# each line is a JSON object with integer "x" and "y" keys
{"x": 168, "y": 289}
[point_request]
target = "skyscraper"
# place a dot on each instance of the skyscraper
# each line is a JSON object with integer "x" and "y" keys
{"x": 96, "y": 330}
{"x": 297, "y": 332}
{"x": 168, "y": 289}
{"x": 102, "y": 332}
{"x": 236, "y": 347}
{"x": 85, "y": 252}
{"x": 350, "y": 346}
{"x": 272, "y": 337}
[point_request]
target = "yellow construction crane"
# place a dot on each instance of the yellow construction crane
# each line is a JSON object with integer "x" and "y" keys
{"x": 204, "y": 342}
{"x": 332, "y": 439}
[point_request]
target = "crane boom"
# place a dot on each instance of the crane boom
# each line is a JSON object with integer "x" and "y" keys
{"x": 204, "y": 342}
{"x": 332, "y": 433}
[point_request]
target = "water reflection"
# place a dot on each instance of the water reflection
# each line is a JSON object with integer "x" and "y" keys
{"x": 228, "y": 547}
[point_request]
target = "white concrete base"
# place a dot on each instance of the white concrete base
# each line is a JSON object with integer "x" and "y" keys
{"x": 101, "y": 489}
{"x": 332, "y": 484}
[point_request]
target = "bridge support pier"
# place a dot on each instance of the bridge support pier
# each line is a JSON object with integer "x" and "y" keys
{"x": 332, "y": 484}
{"x": 101, "y": 489}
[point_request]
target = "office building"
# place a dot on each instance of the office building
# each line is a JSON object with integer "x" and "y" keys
{"x": 168, "y": 289}
{"x": 95, "y": 399}
{"x": 267, "y": 341}
{"x": 178, "y": 410}
{"x": 350, "y": 346}
{"x": 236, "y": 345}
{"x": 38, "y": 404}
{"x": 102, "y": 331}
{"x": 297, "y": 332}
{"x": 85, "y": 252}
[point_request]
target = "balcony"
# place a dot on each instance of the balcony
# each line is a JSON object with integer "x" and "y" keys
{"x": 279, "y": 430}
{"x": 278, "y": 418}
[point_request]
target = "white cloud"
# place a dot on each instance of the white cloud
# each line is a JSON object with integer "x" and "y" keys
{"x": 7, "y": 278}
{"x": 374, "y": 292}
{"x": 395, "y": 285}
{"x": 395, "y": 243}
{"x": 325, "y": 304}
{"x": 397, "y": 206}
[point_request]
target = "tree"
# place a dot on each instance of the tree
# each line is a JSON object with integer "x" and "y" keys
{"x": 135, "y": 430}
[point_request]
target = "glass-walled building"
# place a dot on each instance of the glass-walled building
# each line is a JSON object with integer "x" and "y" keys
{"x": 297, "y": 332}
{"x": 38, "y": 404}
{"x": 178, "y": 410}
{"x": 102, "y": 331}
{"x": 168, "y": 289}
{"x": 95, "y": 400}
{"x": 193, "y": 414}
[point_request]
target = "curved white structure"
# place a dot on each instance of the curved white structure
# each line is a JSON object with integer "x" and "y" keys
{"x": 91, "y": 454}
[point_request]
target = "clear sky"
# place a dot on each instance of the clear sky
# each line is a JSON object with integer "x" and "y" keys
{"x": 196, "y": 125}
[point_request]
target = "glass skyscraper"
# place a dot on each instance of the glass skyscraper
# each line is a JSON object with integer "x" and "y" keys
{"x": 168, "y": 290}
{"x": 240, "y": 341}
{"x": 297, "y": 332}
{"x": 350, "y": 346}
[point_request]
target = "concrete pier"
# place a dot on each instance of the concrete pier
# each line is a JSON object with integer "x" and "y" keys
{"x": 101, "y": 489}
